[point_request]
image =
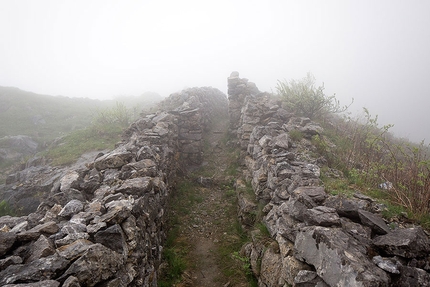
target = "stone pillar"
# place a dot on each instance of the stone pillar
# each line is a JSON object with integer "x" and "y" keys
{"x": 238, "y": 90}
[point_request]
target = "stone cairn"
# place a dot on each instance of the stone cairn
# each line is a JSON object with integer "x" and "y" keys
{"x": 317, "y": 239}
{"x": 102, "y": 223}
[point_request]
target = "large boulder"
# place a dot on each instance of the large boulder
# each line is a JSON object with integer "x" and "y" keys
{"x": 338, "y": 258}
{"x": 409, "y": 243}
{"x": 97, "y": 264}
{"x": 38, "y": 270}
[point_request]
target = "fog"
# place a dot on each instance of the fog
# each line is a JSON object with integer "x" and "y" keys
{"x": 376, "y": 52}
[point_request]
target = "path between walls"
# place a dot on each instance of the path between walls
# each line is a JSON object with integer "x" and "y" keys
{"x": 207, "y": 226}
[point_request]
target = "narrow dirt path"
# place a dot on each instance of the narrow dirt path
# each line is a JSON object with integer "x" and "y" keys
{"x": 207, "y": 225}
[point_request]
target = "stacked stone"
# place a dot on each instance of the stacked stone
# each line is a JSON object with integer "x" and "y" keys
{"x": 195, "y": 109}
{"x": 238, "y": 90}
{"x": 103, "y": 223}
{"x": 318, "y": 239}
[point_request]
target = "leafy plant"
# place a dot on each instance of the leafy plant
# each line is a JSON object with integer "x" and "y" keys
{"x": 305, "y": 99}
{"x": 246, "y": 264}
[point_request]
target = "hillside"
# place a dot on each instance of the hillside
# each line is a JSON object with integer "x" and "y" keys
{"x": 31, "y": 122}
{"x": 44, "y": 117}
{"x": 188, "y": 198}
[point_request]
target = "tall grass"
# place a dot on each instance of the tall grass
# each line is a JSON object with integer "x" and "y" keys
{"x": 370, "y": 155}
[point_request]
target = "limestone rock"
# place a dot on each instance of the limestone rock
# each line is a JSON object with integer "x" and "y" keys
{"x": 11, "y": 221}
{"x": 315, "y": 193}
{"x": 7, "y": 239}
{"x": 74, "y": 249}
{"x": 387, "y": 264}
{"x": 39, "y": 270}
{"x": 322, "y": 216}
{"x": 43, "y": 247}
{"x": 411, "y": 276}
{"x": 11, "y": 260}
{"x": 271, "y": 269}
{"x": 142, "y": 168}
{"x": 97, "y": 264}
{"x": 347, "y": 207}
{"x": 49, "y": 228}
{"x": 69, "y": 180}
{"x": 136, "y": 186}
{"x": 71, "y": 281}
{"x": 338, "y": 258}
{"x": 72, "y": 207}
{"x": 44, "y": 283}
{"x": 113, "y": 237}
{"x": 306, "y": 278}
{"x": 409, "y": 242}
{"x": 114, "y": 159}
{"x": 246, "y": 210}
{"x": 374, "y": 221}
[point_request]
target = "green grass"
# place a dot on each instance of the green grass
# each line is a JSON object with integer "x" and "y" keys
{"x": 347, "y": 187}
{"x": 174, "y": 254}
{"x": 296, "y": 135}
{"x": 5, "y": 209}
{"x": 175, "y": 249}
{"x": 73, "y": 145}
{"x": 233, "y": 265}
{"x": 337, "y": 186}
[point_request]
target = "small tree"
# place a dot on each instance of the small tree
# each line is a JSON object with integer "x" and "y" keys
{"x": 305, "y": 99}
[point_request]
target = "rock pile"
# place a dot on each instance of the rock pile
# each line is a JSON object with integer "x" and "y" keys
{"x": 103, "y": 223}
{"x": 318, "y": 239}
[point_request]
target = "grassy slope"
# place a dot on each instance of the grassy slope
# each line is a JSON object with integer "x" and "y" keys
{"x": 43, "y": 117}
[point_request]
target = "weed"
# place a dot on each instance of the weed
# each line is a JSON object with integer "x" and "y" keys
{"x": 245, "y": 261}
{"x": 337, "y": 186}
{"x": 5, "y": 208}
{"x": 296, "y": 135}
{"x": 369, "y": 155}
{"x": 176, "y": 266}
{"x": 264, "y": 232}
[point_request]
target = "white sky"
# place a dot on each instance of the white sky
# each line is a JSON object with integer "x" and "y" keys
{"x": 377, "y": 52}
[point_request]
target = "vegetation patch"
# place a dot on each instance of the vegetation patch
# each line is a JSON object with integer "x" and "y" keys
{"x": 394, "y": 171}
{"x": 5, "y": 209}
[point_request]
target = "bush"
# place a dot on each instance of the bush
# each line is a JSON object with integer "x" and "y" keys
{"x": 305, "y": 99}
{"x": 118, "y": 116}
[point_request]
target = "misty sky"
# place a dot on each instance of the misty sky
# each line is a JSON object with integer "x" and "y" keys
{"x": 377, "y": 52}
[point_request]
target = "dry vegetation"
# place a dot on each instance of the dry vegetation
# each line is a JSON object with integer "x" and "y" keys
{"x": 365, "y": 152}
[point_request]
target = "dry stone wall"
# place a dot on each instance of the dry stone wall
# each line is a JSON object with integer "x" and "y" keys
{"x": 103, "y": 221}
{"x": 317, "y": 239}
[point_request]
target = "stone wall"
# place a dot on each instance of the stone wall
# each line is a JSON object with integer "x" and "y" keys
{"x": 103, "y": 221}
{"x": 317, "y": 239}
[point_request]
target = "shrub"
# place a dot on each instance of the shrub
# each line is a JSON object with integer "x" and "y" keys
{"x": 305, "y": 99}
{"x": 111, "y": 118}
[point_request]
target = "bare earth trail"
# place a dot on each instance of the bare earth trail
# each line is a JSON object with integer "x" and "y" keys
{"x": 207, "y": 227}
